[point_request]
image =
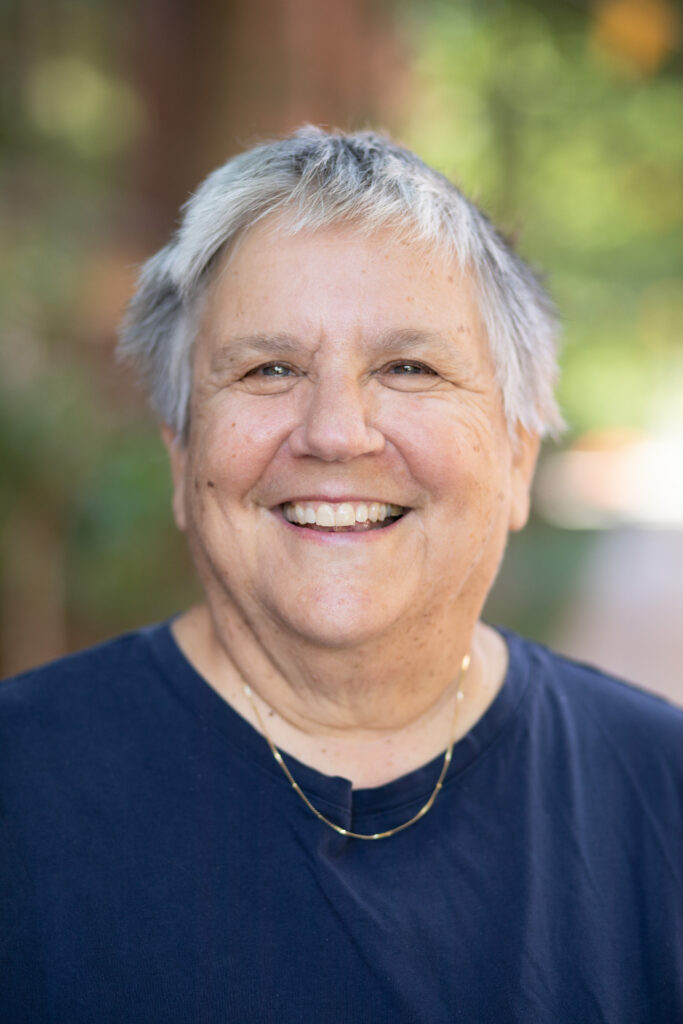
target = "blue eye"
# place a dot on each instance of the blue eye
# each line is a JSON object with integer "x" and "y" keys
{"x": 270, "y": 378}
{"x": 272, "y": 370}
{"x": 409, "y": 369}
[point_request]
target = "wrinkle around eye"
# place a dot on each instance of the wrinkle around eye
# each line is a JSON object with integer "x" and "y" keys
{"x": 258, "y": 381}
{"x": 421, "y": 377}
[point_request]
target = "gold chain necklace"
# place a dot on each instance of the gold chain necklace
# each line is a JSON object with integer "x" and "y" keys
{"x": 344, "y": 831}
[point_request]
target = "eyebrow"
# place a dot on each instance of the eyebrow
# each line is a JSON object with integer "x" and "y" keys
{"x": 234, "y": 349}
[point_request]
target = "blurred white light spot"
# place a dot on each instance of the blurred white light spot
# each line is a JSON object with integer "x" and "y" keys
{"x": 640, "y": 484}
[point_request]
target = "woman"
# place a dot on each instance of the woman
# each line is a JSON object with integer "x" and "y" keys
{"x": 330, "y": 791}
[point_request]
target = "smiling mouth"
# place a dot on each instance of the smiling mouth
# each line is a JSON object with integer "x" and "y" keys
{"x": 345, "y": 517}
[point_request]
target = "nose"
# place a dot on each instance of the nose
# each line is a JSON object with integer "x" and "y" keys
{"x": 335, "y": 423}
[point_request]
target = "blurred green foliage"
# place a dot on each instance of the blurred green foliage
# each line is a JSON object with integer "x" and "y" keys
{"x": 575, "y": 149}
{"x": 121, "y": 525}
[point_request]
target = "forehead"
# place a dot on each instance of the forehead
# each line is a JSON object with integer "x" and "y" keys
{"x": 343, "y": 281}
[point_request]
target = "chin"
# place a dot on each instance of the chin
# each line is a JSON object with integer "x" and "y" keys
{"x": 337, "y": 628}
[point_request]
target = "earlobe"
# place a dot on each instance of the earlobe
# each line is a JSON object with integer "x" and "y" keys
{"x": 177, "y": 458}
{"x": 525, "y": 456}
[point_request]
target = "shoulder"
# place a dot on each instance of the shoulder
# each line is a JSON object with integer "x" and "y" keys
{"x": 599, "y": 691}
{"x": 90, "y": 668}
{"x": 73, "y": 693}
{"x": 73, "y": 730}
{"x": 599, "y": 713}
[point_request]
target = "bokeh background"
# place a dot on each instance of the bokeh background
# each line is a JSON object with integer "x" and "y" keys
{"x": 562, "y": 119}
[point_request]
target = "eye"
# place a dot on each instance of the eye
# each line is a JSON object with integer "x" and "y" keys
{"x": 408, "y": 369}
{"x": 270, "y": 378}
{"x": 405, "y": 375}
{"x": 270, "y": 370}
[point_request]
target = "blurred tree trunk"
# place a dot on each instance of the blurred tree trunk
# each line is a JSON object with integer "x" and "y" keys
{"x": 216, "y": 76}
{"x": 33, "y": 591}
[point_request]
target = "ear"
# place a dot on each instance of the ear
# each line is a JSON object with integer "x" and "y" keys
{"x": 524, "y": 457}
{"x": 177, "y": 454}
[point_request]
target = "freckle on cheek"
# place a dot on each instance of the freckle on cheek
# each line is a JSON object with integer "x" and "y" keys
{"x": 210, "y": 483}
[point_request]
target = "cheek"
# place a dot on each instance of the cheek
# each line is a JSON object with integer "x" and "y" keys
{"x": 232, "y": 449}
{"x": 453, "y": 459}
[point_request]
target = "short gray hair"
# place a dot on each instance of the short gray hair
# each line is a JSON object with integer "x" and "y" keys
{"x": 322, "y": 179}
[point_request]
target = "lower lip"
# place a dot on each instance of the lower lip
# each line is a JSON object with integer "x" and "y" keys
{"x": 341, "y": 537}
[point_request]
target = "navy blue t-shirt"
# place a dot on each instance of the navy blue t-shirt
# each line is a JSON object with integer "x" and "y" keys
{"x": 156, "y": 866}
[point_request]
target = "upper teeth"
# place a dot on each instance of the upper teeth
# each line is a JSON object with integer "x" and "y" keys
{"x": 344, "y": 514}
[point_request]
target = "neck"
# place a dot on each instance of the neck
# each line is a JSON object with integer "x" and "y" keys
{"x": 370, "y": 713}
